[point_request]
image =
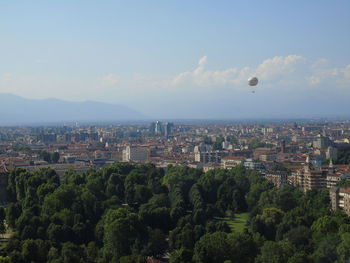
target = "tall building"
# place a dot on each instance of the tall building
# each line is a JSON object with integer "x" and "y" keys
{"x": 332, "y": 153}
{"x": 152, "y": 128}
{"x": 334, "y": 177}
{"x": 168, "y": 128}
{"x": 158, "y": 128}
{"x": 321, "y": 142}
{"x": 310, "y": 177}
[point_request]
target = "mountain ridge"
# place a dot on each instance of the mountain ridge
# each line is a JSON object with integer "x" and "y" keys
{"x": 18, "y": 110}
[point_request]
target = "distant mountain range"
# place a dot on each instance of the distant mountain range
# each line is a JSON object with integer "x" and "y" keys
{"x": 18, "y": 110}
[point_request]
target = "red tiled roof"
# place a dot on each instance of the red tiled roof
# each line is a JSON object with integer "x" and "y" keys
{"x": 345, "y": 190}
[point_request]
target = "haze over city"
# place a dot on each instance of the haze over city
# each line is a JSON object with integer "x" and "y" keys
{"x": 181, "y": 59}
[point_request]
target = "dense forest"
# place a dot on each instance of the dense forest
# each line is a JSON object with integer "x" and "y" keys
{"x": 128, "y": 212}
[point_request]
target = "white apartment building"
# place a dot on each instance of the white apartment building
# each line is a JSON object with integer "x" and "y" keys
{"x": 135, "y": 154}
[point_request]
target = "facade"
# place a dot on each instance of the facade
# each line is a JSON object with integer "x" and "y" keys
{"x": 340, "y": 199}
{"x": 334, "y": 179}
{"x": 229, "y": 162}
{"x": 135, "y": 154}
{"x": 331, "y": 153}
{"x": 208, "y": 157}
{"x": 321, "y": 142}
{"x": 310, "y": 177}
{"x": 268, "y": 157}
{"x": 315, "y": 179}
{"x": 252, "y": 165}
{"x": 278, "y": 178}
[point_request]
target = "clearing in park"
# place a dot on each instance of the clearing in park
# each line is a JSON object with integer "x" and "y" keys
{"x": 237, "y": 223}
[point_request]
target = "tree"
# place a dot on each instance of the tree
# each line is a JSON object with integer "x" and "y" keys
{"x": 299, "y": 236}
{"x": 132, "y": 259}
{"x": 5, "y": 259}
{"x": 323, "y": 226}
{"x": 157, "y": 244}
{"x": 256, "y": 189}
{"x": 122, "y": 229}
{"x": 46, "y": 156}
{"x": 326, "y": 250}
{"x": 34, "y": 250}
{"x": 84, "y": 218}
{"x": 91, "y": 252}
{"x": 71, "y": 253}
{"x": 2, "y": 219}
{"x": 275, "y": 252}
{"x": 115, "y": 186}
{"x": 181, "y": 256}
{"x": 343, "y": 248}
{"x": 243, "y": 247}
{"x": 213, "y": 247}
{"x": 55, "y": 157}
{"x": 267, "y": 222}
{"x": 256, "y": 143}
{"x": 182, "y": 237}
{"x": 142, "y": 194}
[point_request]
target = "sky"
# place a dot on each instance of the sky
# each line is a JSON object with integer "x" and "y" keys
{"x": 184, "y": 58}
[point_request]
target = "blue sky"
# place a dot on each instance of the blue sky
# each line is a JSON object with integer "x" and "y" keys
{"x": 181, "y": 59}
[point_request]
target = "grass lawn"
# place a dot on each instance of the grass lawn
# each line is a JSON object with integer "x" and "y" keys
{"x": 238, "y": 222}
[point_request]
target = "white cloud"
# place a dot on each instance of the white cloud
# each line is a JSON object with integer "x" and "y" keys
{"x": 110, "y": 79}
{"x": 347, "y": 72}
{"x": 278, "y": 76}
{"x": 281, "y": 71}
{"x": 200, "y": 76}
{"x": 202, "y": 61}
{"x": 278, "y": 66}
{"x": 322, "y": 73}
{"x": 6, "y": 77}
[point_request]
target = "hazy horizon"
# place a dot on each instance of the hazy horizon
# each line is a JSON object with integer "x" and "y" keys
{"x": 181, "y": 60}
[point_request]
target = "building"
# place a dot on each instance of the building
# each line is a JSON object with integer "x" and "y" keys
{"x": 208, "y": 157}
{"x": 310, "y": 177}
{"x": 331, "y": 153}
{"x": 315, "y": 179}
{"x": 340, "y": 199}
{"x": 278, "y": 178}
{"x": 268, "y": 157}
{"x": 321, "y": 142}
{"x": 333, "y": 179}
{"x": 229, "y": 162}
{"x": 47, "y": 138}
{"x": 168, "y": 128}
{"x": 135, "y": 154}
{"x": 253, "y": 165}
{"x": 202, "y": 148}
{"x": 158, "y": 128}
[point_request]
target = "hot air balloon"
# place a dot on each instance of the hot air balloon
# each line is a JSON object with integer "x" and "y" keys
{"x": 253, "y": 81}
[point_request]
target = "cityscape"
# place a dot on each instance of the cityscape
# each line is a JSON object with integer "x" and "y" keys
{"x": 174, "y": 131}
{"x": 306, "y": 154}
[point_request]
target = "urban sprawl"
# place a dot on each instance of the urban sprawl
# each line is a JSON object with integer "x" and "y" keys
{"x": 306, "y": 154}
